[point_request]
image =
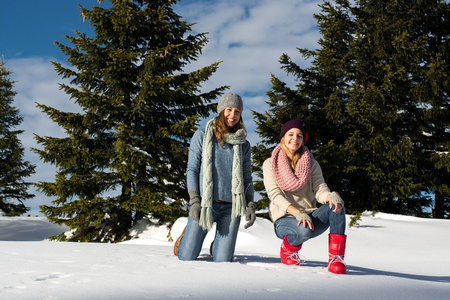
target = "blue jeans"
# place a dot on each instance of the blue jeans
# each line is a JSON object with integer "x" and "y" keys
{"x": 224, "y": 242}
{"x": 322, "y": 218}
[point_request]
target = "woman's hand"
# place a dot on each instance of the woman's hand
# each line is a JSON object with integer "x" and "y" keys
{"x": 195, "y": 206}
{"x": 335, "y": 199}
{"x": 303, "y": 218}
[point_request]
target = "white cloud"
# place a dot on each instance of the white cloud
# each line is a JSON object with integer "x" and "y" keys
{"x": 249, "y": 37}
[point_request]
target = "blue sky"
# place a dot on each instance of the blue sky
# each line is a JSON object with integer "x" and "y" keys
{"x": 29, "y": 27}
{"x": 247, "y": 36}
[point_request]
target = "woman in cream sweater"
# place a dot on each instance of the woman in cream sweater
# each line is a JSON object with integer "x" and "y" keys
{"x": 294, "y": 183}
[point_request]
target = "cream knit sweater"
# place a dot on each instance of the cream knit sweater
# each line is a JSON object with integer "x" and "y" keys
{"x": 306, "y": 198}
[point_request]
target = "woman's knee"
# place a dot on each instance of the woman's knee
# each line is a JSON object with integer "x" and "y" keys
{"x": 184, "y": 257}
{"x": 188, "y": 249}
{"x": 187, "y": 252}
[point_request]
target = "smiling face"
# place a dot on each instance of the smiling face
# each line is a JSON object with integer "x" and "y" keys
{"x": 293, "y": 140}
{"x": 232, "y": 116}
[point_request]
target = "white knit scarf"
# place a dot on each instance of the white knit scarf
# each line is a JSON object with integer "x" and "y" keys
{"x": 237, "y": 184}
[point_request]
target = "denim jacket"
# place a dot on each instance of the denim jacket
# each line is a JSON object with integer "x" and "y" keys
{"x": 222, "y": 167}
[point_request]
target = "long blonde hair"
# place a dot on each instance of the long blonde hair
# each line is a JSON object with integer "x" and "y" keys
{"x": 221, "y": 128}
{"x": 296, "y": 157}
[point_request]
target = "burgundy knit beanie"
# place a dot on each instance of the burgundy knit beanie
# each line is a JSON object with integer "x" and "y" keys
{"x": 297, "y": 123}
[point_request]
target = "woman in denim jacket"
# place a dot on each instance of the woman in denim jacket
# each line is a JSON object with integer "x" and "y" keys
{"x": 219, "y": 182}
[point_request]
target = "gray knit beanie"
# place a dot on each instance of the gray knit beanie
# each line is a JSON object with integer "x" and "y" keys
{"x": 230, "y": 100}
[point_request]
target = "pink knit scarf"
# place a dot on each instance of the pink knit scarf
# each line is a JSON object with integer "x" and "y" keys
{"x": 286, "y": 178}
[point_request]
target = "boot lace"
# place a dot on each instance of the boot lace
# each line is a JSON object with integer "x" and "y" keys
{"x": 294, "y": 256}
{"x": 297, "y": 257}
{"x": 336, "y": 258}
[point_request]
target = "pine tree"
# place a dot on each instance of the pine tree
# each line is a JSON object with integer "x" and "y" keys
{"x": 367, "y": 98}
{"x": 433, "y": 167}
{"x": 124, "y": 157}
{"x": 13, "y": 168}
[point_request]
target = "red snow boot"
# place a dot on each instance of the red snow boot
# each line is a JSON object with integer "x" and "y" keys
{"x": 289, "y": 254}
{"x": 336, "y": 252}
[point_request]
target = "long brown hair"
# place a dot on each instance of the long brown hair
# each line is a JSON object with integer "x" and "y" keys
{"x": 221, "y": 127}
{"x": 296, "y": 157}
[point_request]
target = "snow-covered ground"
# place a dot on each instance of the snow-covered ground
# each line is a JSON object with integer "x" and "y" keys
{"x": 388, "y": 257}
